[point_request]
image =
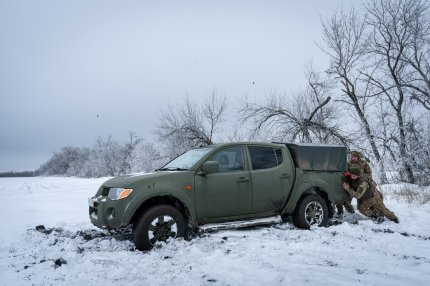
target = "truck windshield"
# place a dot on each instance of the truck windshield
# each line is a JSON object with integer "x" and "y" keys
{"x": 186, "y": 160}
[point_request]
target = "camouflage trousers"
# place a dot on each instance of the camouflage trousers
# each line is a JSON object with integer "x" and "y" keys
{"x": 348, "y": 206}
{"x": 375, "y": 206}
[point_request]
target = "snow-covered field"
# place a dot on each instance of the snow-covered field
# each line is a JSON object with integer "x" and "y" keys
{"x": 70, "y": 251}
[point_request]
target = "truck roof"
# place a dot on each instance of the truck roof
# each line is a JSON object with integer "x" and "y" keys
{"x": 274, "y": 144}
{"x": 308, "y": 156}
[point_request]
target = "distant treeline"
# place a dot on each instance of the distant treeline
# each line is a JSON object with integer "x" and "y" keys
{"x": 106, "y": 158}
{"x": 19, "y": 174}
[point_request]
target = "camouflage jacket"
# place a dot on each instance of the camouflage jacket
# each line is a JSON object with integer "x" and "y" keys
{"x": 363, "y": 188}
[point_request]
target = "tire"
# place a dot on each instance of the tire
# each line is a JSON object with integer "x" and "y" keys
{"x": 310, "y": 210}
{"x": 158, "y": 224}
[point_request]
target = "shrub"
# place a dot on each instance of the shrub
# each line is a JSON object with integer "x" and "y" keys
{"x": 412, "y": 194}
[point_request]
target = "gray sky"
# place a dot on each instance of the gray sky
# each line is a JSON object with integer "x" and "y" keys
{"x": 71, "y": 71}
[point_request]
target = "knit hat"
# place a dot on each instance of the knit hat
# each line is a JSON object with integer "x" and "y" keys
{"x": 355, "y": 171}
{"x": 355, "y": 154}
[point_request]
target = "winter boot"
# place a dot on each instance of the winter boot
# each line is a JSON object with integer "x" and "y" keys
{"x": 350, "y": 209}
{"x": 377, "y": 218}
{"x": 339, "y": 211}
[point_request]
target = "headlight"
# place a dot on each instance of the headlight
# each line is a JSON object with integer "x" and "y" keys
{"x": 119, "y": 193}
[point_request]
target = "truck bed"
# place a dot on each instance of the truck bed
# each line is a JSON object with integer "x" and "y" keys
{"x": 318, "y": 157}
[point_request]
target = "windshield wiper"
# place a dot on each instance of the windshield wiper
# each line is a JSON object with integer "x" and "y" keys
{"x": 171, "y": 169}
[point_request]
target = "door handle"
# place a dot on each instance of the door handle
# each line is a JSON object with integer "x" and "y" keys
{"x": 285, "y": 176}
{"x": 242, "y": 180}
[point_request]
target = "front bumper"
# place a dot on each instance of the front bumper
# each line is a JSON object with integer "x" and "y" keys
{"x": 105, "y": 213}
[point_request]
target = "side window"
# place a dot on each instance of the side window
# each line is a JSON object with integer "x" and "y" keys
{"x": 229, "y": 160}
{"x": 264, "y": 157}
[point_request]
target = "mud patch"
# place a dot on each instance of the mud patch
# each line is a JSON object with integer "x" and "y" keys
{"x": 406, "y": 234}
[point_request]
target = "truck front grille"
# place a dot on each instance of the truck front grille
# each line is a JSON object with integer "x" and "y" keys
{"x": 93, "y": 210}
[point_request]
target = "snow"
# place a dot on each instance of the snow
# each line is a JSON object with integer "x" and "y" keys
{"x": 70, "y": 251}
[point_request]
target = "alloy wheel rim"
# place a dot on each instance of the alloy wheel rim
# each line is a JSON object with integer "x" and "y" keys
{"x": 162, "y": 228}
{"x": 314, "y": 213}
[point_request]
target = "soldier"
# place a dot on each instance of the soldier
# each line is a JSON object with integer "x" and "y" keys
{"x": 355, "y": 162}
{"x": 370, "y": 202}
{"x": 358, "y": 162}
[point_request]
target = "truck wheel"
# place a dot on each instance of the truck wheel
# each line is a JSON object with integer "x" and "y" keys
{"x": 158, "y": 224}
{"x": 311, "y": 210}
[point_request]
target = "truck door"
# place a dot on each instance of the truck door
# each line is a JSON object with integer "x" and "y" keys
{"x": 225, "y": 193}
{"x": 271, "y": 177}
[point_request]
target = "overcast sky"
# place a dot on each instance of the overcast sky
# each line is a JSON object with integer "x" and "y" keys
{"x": 71, "y": 71}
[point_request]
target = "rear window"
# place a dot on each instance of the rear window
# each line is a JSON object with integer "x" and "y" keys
{"x": 264, "y": 157}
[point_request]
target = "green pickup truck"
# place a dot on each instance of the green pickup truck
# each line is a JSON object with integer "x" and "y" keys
{"x": 223, "y": 186}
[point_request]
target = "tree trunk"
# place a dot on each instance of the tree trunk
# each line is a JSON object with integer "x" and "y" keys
{"x": 406, "y": 167}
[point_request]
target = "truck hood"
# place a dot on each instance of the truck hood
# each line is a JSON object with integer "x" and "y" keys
{"x": 126, "y": 180}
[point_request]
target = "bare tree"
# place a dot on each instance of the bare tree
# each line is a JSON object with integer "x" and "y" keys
{"x": 346, "y": 40}
{"x": 146, "y": 158}
{"x": 111, "y": 158}
{"x": 308, "y": 117}
{"x": 418, "y": 137}
{"x": 393, "y": 26}
{"x": 346, "y": 43}
{"x": 190, "y": 125}
{"x": 417, "y": 54}
{"x": 62, "y": 162}
{"x": 126, "y": 153}
{"x": 382, "y": 61}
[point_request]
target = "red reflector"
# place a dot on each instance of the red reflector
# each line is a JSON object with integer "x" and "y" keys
{"x": 188, "y": 187}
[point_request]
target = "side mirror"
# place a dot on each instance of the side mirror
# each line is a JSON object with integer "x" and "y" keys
{"x": 210, "y": 167}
